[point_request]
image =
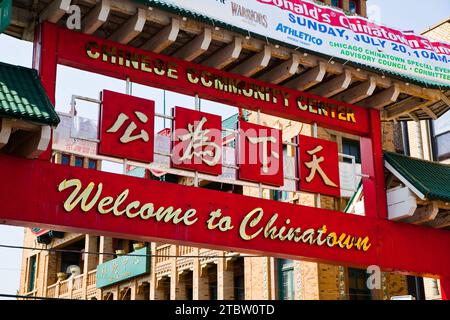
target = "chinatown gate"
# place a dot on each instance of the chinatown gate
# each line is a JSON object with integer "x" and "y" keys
{"x": 37, "y": 193}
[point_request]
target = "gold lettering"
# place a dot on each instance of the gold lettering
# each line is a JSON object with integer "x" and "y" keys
{"x": 149, "y": 208}
{"x": 308, "y": 236}
{"x": 71, "y": 202}
{"x": 286, "y": 97}
{"x": 248, "y": 92}
{"x": 192, "y": 76}
{"x": 188, "y": 215}
{"x": 132, "y": 59}
{"x": 159, "y": 68}
{"x": 205, "y": 79}
{"x": 333, "y": 237}
{"x": 119, "y": 200}
{"x": 109, "y": 53}
{"x": 302, "y": 106}
{"x": 145, "y": 61}
{"x": 132, "y": 205}
{"x": 219, "y": 85}
{"x": 351, "y": 117}
{"x": 103, "y": 203}
{"x": 172, "y": 71}
{"x": 363, "y": 244}
{"x": 250, "y": 228}
{"x": 247, "y": 221}
{"x": 270, "y": 231}
{"x": 320, "y": 232}
{"x": 91, "y": 50}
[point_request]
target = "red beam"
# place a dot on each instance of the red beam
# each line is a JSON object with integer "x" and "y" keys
{"x": 73, "y": 47}
{"x": 30, "y": 197}
{"x": 375, "y": 202}
{"x": 445, "y": 288}
{"x": 45, "y": 62}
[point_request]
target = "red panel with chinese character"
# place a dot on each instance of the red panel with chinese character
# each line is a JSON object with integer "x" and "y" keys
{"x": 260, "y": 154}
{"x": 319, "y": 166}
{"x": 197, "y": 141}
{"x": 127, "y": 127}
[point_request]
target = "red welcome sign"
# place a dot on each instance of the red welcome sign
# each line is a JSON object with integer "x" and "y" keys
{"x": 127, "y": 127}
{"x": 319, "y": 166}
{"x": 197, "y": 141}
{"x": 260, "y": 154}
{"x": 45, "y": 195}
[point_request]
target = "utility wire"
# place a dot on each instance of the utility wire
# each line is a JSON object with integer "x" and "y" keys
{"x": 29, "y": 297}
{"x": 127, "y": 254}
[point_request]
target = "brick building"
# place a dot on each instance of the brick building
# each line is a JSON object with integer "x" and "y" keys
{"x": 180, "y": 272}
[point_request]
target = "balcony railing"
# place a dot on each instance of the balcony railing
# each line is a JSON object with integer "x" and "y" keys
{"x": 78, "y": 287}
{"x": 91, "y": 278}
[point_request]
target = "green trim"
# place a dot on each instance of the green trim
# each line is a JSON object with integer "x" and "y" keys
{"x": 205, "y": 19}
{"x": 22, "y": 96}
{"x": 5, "y": 14}
{"x": 430, "y": 178}
{"x": 354, "y": 196}
{"x": 123, "y": 268}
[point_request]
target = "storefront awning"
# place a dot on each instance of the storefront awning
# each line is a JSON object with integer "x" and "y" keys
{"x": 22, "y": 96}
{"x": 428, "y": 180}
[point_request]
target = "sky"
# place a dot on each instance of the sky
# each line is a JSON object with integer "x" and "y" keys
{"x": 405, "y": 15}
{"x": 401, "y": 14}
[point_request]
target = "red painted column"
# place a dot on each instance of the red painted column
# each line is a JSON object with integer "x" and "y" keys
{"x": 445, "y": 288}
{"x": 375, "y": 202}
{"x": 45, "y": 62}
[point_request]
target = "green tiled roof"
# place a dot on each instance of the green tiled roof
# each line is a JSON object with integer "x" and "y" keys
{"x": 430, "y": 178}
{"x": 23, "y": 97}
{"x": 203, "y": 18}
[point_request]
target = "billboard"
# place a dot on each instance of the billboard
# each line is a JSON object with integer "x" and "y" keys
{"x": 330, "y": 31}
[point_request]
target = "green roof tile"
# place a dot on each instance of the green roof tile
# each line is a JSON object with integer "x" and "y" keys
{"x": 23, "y": 97}
{"x": 430, "y": 178}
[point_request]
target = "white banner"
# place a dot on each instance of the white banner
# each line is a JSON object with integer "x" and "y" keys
{"x": 329, "y": 31}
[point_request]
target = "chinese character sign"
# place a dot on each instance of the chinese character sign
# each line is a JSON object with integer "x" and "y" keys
{"x": 197, "y": 141}
{"x": 127, "y": 127}
{"x": 319, "y": 166}
{"x": 123, "y": 268}
{"x": 260, "y": 154}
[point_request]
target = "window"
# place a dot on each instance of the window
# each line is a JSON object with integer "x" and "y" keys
{"x": 32, "y": 274}
{"x": 238, "y": 279}
{"x": 357, "y": 285}
{"x": 441, "y": 137}
{"x": 278, "y": 195}
{"x": 351, "y": 148}
{"x": 336, "y": 3}
{"x": 79, "y": 162}
{"x": 65, "y": 159}
{"x": 354, "y": 6}
{"x": 92, "y": 164}
{"x": 286, "y": 279}
{"x": 212, "y": 282}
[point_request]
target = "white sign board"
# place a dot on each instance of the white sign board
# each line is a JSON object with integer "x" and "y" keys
{"x": 67, "y": 137}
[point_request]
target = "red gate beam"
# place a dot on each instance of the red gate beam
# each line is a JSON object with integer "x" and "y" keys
{"x": 40, "y": 194}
